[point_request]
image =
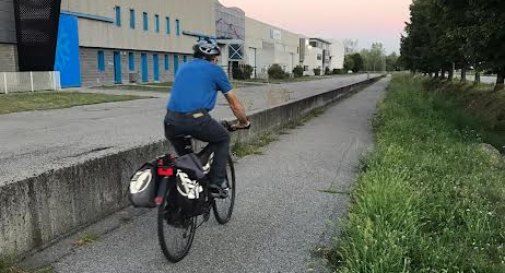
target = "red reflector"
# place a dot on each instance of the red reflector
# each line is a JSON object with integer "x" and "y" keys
{"x": 158, "y": 200}
{"x": 165, "y": 172}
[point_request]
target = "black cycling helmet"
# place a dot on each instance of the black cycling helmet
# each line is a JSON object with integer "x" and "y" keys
{"x": 206, "y": 48}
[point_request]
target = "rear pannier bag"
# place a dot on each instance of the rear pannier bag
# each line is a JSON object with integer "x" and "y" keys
{"x": 142, "y": 188}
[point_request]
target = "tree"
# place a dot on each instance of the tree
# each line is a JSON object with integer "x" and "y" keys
{"x": 392, "y": 62}
{"x": 374, "y": 58}
{"x": 488, "y": 35}
{"x": 357, "y": 60}
{"x": 348, "y": 63}
{"x": 447, "y": 34}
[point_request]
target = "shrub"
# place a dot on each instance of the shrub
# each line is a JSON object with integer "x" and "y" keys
{"x": 242, "y": 72}
{"x": 317, "y": 71}
{"x": 327, "y": 71}
{"x": 276, "y": 72}
{"x": 298, "y": 71}
{"x": 337, "y": 71}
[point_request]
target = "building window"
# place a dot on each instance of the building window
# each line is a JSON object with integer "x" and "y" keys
{"x": 118, "y": 15}
{"x": 319, "y": 57}
{"x": 131, "y": 61}
{"x": 101, "y": 60}
{"x": 132, "y": 19}
{"x": 185, "y": 58}
{"x": 178, "y": 27}
{"x": 146, "y": 21}
{"x": 156, "y": 23}
{"x": 167, "y": 63}
{"x": 167, "y": 24}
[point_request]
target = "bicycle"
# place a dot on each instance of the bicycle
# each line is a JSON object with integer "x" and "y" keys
{"x": 178, "y": 215}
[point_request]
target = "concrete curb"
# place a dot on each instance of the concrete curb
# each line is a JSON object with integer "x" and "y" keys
{"x": 37, "y": 211}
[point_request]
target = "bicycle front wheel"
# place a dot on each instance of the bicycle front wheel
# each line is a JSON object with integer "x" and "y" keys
{"x": 223, "y": 208}
{"x": 175, "y": 232}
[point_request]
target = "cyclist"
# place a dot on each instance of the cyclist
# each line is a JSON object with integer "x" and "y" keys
{"x": 193, "y": 96}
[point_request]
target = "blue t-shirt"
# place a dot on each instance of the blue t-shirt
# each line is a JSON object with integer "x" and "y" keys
{"x": 196, "y": 85}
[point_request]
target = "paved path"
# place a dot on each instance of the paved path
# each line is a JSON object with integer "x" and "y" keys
{"x": 34, "y": 142}
{"x": 281, "y": 212}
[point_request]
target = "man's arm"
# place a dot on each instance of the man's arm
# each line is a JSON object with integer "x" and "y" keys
{"x": 237, "y": 108}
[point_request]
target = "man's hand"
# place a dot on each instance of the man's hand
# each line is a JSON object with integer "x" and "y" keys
{"x": 238, "y": 125}
{"x": 238, "y": 110}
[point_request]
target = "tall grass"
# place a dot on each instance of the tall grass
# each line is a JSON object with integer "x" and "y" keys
{"x": 429, "y": 199}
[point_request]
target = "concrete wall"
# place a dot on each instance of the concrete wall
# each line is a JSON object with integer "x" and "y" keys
{"x": 39, "y": 210}
{"x": 91, "y": 76}
{"x": 272, "y": 44}
{"x": 7, "y": 25}
{"x": 196, "y": 16}
{"x": 8, "y": 51}
{"x": 8, "y": 58}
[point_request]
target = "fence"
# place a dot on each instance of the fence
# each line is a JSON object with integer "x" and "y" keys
{"x": 11, "y": 82}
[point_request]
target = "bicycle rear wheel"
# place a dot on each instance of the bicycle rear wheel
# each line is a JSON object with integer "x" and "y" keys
{"x": 223, "y": 208}
{"x": 175, "y": 233}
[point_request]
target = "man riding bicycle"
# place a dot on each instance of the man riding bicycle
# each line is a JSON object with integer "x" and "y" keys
{"x": 193, "y": 96}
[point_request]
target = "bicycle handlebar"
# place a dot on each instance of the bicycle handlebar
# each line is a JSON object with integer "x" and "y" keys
{"x": 228, "y": 125}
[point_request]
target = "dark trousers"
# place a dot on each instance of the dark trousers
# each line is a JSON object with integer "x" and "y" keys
{"x": 206, "y": 129}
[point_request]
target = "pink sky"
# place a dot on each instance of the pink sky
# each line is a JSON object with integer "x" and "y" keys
{"x": 365, "y": 20}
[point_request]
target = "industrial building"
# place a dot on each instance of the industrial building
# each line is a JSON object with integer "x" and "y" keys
{"x": 127, "y": 41}
{"x": 134, "y": 41}
{"x": 267, "y": 45}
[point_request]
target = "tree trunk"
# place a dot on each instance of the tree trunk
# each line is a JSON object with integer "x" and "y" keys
{"x": 431, "y": 74}
{"x": 500, "y": 81}
{"x": 477, "y": 77}
{"x": 442, "y": 75}
{"x": 463, "y": 74}
{"x": 450, "y": 75}
{"x": 436, "y": 75}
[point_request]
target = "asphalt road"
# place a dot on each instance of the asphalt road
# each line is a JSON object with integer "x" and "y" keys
{"x": 282, "y": 212}
{"x": 40, "y": 141}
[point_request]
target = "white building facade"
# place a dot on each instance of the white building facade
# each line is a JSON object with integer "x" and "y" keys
{"x": 267, "y": 45}
{"x": 321, "y": 54}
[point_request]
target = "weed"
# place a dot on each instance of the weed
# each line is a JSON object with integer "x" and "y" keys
{"x": 86, "y": 239}
{"x": 428, "y": 200}
{"x": 254, "y": 147}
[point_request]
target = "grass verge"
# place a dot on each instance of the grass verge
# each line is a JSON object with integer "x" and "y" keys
{"x": 10, "y": 103}
{"x": 254, "y": 147}
{"x": 485, "y": 108}
{"x": 86, "y": 239}
{"x": 6, "y": 267}
{"x": 429, "y": 198}
{"x": 138, "y": 87}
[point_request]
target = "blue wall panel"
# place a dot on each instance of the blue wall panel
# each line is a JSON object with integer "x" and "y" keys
{"x": 67, "y": 52}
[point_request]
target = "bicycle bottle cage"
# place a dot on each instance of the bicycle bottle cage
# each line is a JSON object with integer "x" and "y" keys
{"x": 191, "y": 165}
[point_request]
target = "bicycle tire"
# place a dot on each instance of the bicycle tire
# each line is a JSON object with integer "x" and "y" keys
{"x": 223, "y": 218}
{"x": 164, "y": 233}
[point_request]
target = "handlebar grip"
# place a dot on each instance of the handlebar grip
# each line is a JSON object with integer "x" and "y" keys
{"x": 230, "y": 128}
